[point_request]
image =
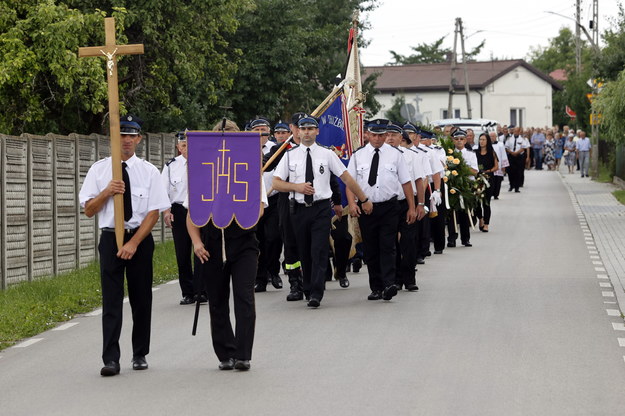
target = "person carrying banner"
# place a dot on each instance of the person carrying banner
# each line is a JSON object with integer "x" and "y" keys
{"x": 268, "y": 232}
{"x": 381, "y": 171}
{"x": 308, "y": 168}
{"x": 144, "y": 197}
{"x": 229, "y": 254}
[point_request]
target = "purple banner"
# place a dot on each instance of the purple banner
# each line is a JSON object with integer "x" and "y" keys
{"x": 224, "y": 178}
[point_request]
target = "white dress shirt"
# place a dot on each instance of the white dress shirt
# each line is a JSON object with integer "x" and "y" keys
{"x": 146, "y": 187}
{"x": 174, "y": 177}
{"x": 471, "y": 159}
{"x": 324, "y": 161}
{"x": 392, "y": 172}
{"x": 268, "y": 175}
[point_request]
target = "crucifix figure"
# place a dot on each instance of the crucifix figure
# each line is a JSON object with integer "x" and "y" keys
{"x": 110, "y": 52}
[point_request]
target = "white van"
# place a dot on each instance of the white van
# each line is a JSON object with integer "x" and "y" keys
{"x": 478, "y": 125}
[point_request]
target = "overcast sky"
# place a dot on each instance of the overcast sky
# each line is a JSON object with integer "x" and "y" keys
{"x": 510, "y": 28}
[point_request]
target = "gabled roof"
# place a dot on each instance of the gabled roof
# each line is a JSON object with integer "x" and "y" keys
{"x": 436, "y": 77}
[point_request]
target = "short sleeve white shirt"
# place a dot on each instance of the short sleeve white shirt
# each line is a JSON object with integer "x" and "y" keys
{"x": 174, "y": 178}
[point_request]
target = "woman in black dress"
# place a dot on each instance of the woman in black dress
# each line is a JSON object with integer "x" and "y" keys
{"x": 488, "y": 164}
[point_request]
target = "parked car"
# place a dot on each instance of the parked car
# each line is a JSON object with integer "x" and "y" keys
{"x": 478, "y": 125}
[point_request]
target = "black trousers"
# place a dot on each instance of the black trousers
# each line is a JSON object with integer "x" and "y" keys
{"x": 184, "y": 249}
{"x": 342, "y": 245}
{"x": 423, "y": 232}
{"x": 482, "y": 211}
{"x": 516, "y": 171}
{"x": 463, "y": 223}
{"x": 138, "y": 272}
{"x": 496, "y": 185}
{"x": 240, "y": 268}
{"x": 437, "y": 224}
{"x": 268, "y": 233}
{"x": 291, "y": 255}
{"x": 406, "y": 248}
{"x": 379, "y": 234}
{"x": 312, "y": 232}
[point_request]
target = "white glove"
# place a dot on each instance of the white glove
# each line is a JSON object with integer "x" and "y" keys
{"x": 436, "y": 197}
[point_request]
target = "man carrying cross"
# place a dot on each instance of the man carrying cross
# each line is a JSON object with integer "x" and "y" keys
{"x": 144, "y": 196}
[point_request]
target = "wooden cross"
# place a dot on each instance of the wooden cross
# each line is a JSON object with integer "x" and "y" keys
{"x": 110, "y": 52}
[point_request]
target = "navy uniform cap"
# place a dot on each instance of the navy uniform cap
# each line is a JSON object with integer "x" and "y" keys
{"x": 378, "y": 126}
{"x": 307, "y": 121}
{"x": 281, "y": 126}
{"x": 426, "y": 134}
{"x": 181, "y": 136}
{"x": 410, "y": 127}
{"x": 295, "y": 117}
{"x": 130, "y": 125}
{"x": 259, "y": 122}
{"x": 511, "y": 126}
{"x": 459, "y": 133}
{"x": 394, "y": 127}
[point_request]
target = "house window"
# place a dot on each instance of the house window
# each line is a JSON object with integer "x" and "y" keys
{"x": 517, "y": 116}
{"x": 444, "y": 113}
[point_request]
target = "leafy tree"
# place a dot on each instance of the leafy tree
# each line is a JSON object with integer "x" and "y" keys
{"x": 291, "y": 55}
{"x": 560, "y": 54}
{"x": 573, "y": 95}
{"x": 611, "y": 105}
{"x": 432, "y": 54}
{"x": 612, "y": 58}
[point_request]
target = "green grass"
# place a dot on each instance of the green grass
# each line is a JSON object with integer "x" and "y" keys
{"x": 605, "y": 174}
{"x": 620, "y": 195}
{"x": 29, "y": 308}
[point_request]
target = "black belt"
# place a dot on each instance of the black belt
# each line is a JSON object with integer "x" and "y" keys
{"x": 177, "y": 203}
{"x": 393, "y": 199}
{"x": 320, "y": 201}
{"x": 126, "y": 230}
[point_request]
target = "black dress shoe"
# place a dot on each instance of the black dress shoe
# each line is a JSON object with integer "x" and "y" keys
{"x": 203, "y": 298}
{"x": 420, "y": 260}
{"x": 313, "y": 303}
{"x": 344, "y": 282}
{"x": 260, "y": 287}
{"x": 398, "y": 286}
{"x": 242, "y": 365}
{"x": 517, "y": 191}
{"x": 110, "y": 369}
{"x": 389, "y": 292}
{"x": 375, "y": 295}
{"x": 451, "y": 244}
{"x": 227, "y": 364}
{"x": 187, "y": 300}
{"x": 294, "y": 295}
{"x": 139, "y": 363}
{"x": 412, "y": 288}
{"x": 438, "y": 251}
{"x": 276, "y": 282}
{"x": 428, "y": 254}
{"x": 467, "y": 244}
{"x": 356, "y": 265}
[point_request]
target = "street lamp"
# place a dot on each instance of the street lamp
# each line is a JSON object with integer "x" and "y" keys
{"x": 590, "y": 40}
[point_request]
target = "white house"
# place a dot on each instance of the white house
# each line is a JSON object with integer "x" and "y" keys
{"x": 509, "y": 91}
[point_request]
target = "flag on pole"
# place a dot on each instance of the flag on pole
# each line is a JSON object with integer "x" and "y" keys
{"x": 570, "y": 112}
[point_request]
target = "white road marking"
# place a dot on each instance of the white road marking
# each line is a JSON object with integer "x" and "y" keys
{"x": 65, "y": 326}
{"x": 613, "y": 312}
{"x": 126, "y": 300}
{"x": 603, "y": 284}
{"x": 607, "y": 294}
{"x": 621, "y": 342}
{"x": 599, "y": 269}
{"x": 618, "y": 326}
{"x": 595, "y": 257}
{"x": 28, "y": 343}
{"x": 593, "y": 252}
{"x": 598, "y": 263}
{"x": 94, "y": 313}
{"x": 602, "y": 276}
{"x": 154, "y": 289}
{"x": 172, "y": 282}
{"x": 609, "y": 303}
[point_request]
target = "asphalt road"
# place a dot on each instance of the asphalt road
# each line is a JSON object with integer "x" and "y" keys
{"x": 516, "y": 325}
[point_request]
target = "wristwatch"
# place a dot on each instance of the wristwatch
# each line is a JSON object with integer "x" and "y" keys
{"x": 421, "y": 203}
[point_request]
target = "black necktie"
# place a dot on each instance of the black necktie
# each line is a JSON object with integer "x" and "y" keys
{"x": 310, "y": 177}
{"x": 127, "y": 198}
{"x": 514, "y": 146}
{"x": 373, "y": 173}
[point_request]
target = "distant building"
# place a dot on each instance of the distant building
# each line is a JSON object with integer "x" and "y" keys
{"x": 509, "y": 91}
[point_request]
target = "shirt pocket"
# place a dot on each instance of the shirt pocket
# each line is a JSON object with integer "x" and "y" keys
{"x": 320, "y": 168}
{"x": 175, "y": 180}
{"x": 390, "y": 171}
{"x": 362, "y": 170}
{"x": 140, "y": 199}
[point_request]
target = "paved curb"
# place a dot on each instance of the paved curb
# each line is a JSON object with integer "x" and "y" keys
{"x": 604, "y": 216}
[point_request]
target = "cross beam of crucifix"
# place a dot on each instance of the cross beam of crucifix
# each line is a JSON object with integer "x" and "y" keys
{"x": 110, "y": 51}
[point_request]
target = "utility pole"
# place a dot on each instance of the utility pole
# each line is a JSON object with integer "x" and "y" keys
{"x": 453, "y": 81}
{"x": 594, "y": 125}
{"x": 578, "y": 40}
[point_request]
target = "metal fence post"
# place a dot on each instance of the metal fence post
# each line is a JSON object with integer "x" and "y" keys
{"x": 3, "y": 214}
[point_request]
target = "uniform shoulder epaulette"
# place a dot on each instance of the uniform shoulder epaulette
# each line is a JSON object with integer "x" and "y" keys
{"x": 361, "y": 147}
{"x": 106, "y": 159}
{"x": 293, "y": 148}
{"x": 172, "y": 160}
{"x": 422, "y": 150}
{"x": 397, "y": 148}
{"x": 325, "y": 147}
{"x": 437, "y": 146}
